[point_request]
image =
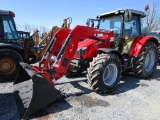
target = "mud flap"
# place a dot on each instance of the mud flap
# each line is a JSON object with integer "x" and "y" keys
{"x": 32, "y": 92}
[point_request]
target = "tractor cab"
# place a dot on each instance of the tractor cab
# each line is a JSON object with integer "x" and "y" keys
{"x": 126, "y": 24}
{"x": 23, "y": 34}
{"x": 8, "y": 32}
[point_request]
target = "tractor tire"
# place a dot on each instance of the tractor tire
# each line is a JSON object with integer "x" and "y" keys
{"x": 104, "y": 73}
{"x": 73, "y": 73}
{"x": 9, "y": 64}
{"x": 146, "y": 62}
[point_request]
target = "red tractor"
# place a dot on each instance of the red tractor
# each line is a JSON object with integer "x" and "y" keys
{"x": 127, "y": 34}
{"x": 119, "y": 46}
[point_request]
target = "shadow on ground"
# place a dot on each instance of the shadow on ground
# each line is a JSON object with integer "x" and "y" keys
{"x": 8, "y": 108}
{"x": 128, "y": 82}
{"x": 50, "y": 110}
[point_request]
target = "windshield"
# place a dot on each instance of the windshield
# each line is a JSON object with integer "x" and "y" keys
{"x": 9, "y": 28}
{"x": 25, "y": 35}
{"x": 111, "y": 23}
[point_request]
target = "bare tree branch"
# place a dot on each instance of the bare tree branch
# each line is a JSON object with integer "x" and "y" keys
{"x": 152, "y": 19}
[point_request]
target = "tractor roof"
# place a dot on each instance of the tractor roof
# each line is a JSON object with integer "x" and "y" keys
{"x": 6, "y": 12}
{"x": 121, "y": 11}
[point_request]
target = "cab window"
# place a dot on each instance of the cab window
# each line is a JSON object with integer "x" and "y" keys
{"x": 9, "y": 28}
{"x": 132, "y": 28}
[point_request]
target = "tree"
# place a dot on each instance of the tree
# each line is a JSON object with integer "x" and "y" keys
{"x": 27, "y": 28}
{"x": 152, "y": 19}
{"x": 32, "y": 28}
{"x": 43, "y": 29}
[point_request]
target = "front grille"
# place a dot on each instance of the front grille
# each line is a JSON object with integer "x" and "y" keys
{"x": 78, "y": 52}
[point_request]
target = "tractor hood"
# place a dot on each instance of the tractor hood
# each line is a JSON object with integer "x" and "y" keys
{"x": 86, "y": 43}
{"x": 89, "y": 41}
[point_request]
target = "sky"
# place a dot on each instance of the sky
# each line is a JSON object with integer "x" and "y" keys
{"x": 51, "y": 13}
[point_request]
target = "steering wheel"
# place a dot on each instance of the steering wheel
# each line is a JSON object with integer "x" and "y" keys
{"x": 116, "y": 31}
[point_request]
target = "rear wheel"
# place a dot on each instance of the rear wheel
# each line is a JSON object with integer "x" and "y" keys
{"x": 104, "y": 73}
{"x": 9, "y": 64}
{"x": 146, "y": 62}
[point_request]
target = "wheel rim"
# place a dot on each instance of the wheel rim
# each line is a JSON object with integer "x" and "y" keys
{"x": 149, "y": 60}
{"x": 7, "y": 65}
{"x": 110, "y": 74}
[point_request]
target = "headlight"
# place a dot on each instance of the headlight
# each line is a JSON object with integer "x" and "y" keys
{"x": 81, "y": 51}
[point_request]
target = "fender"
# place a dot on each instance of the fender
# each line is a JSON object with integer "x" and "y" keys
{"x": 16, "y": 47}
{"x": 106, "y": 50}
{"x": 139, "y": 43}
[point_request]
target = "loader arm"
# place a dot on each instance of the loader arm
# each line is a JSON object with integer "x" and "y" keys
{"x": 34, "y": 89}
{"x": 46, "y": 40}
{"x": 56, "y": 61}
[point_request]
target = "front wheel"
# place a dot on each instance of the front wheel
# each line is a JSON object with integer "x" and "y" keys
{"x": 73, "y": 71}
{"x": 104, "y": 73}
{"x": 146, "y": 62}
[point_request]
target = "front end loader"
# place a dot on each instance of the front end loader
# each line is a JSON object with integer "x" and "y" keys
{"x": 34, "y": 89}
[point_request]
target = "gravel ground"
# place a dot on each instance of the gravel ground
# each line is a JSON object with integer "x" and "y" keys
{"x": 134, "y": 99}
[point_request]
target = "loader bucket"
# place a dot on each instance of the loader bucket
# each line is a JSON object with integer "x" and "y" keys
{"x": 32, "y": 92}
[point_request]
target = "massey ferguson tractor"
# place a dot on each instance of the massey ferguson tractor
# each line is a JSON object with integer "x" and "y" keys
{"x": 126, "y": 35}
{"x": 117, "y": 44}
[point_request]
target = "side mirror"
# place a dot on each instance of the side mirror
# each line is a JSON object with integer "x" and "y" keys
{"x": 128, "y": 16}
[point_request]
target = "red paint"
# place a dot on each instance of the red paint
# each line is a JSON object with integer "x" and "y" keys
{"x": 86, "y": 42}
{"x": 146, "y": 7}
{"x": 138, "y": 44}
{"x": 94, "y": 45}
{"x": 77, "y": 33}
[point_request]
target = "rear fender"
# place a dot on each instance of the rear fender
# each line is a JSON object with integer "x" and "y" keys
{"x": 106, "y": 50}
{"x": 139, "y": 43}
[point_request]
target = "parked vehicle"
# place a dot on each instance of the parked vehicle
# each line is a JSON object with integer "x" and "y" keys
{"x": 119, "y": 46}
{"x": 11, "y": 50}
